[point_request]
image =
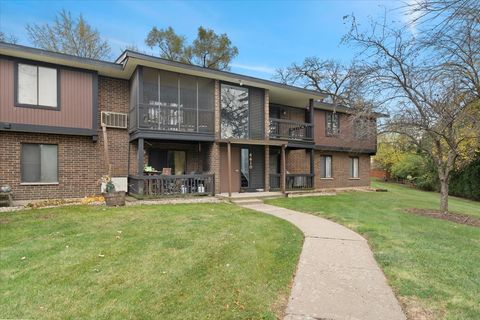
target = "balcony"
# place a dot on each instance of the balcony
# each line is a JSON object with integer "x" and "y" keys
{"x": 291, "y": 130}
{"x": 173, "y": 117}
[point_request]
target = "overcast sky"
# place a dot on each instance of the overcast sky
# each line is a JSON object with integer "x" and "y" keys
{"x": 268, "y": 34}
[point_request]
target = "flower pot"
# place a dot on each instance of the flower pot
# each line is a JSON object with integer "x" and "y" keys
{"x": 114, "y": 199}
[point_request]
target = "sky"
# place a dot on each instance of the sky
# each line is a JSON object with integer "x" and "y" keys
{"x": 268, "y": 34}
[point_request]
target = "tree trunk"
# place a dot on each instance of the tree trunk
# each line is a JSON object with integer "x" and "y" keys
{"x": 444, "y": 196}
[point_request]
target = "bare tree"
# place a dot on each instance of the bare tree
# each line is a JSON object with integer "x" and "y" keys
{"x": 345, "y": 86}
{"x": 440, "y": 15}
{"x": 8, "y": 38}
{"x": 70, "y": 36}
{"x": 433, "y": 106}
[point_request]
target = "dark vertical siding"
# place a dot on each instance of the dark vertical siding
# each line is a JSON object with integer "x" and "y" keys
{"x": 257, "y": 173}
{"x": 76, "y": 97}
{"x": 257, "y": 105}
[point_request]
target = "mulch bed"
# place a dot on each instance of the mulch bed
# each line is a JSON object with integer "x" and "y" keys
{"x": 454, "y": 217}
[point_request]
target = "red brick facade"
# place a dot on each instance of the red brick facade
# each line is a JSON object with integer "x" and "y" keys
{"x": 341, "y": 171}
{"x": 81, "y": 161}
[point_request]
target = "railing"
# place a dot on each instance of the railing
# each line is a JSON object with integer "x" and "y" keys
{"x": 174, "y": 117}
{"x": 290, "y": 130}
{"x": 162, "y": 185}
{"x": 274, "y": 181}
{"x": 293, "y": 181}
{"x": 299, "y": 181}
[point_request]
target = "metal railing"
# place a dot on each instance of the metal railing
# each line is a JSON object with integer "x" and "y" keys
{"x": 290, "y": 130}
{"x": 173, "y": 117}
{"x": 163, "y": 185}
{"x": 293, "y": 181}
{"x": 274, "y": 181}
{"x": 299, "y": 181}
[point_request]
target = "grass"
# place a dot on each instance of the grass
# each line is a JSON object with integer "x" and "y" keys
{"x": 202, "y": 261}
{"x": 433, "y": 265}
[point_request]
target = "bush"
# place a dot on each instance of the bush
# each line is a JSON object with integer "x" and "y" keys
{"x": 466, "y": 182}
{"x": 410, "y": 166}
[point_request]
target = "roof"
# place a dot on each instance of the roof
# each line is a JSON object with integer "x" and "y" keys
{"x": 128, "y": 61}
{"x": 343, "y": 109}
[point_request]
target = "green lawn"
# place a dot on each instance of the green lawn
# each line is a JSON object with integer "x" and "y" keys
{"x": 203, "y": 261}
{"x": 433, "y": 265}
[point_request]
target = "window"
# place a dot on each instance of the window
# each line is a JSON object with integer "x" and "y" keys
{"x": 234, "y": 113}
{"x": 363, "y": 128}
{"x": 37, "y": 86}
{"x": 326, "y": 166}
{"x": 176, "y": 160}
{"x": 333, "y": 124}
{"x": 39, "y": 163}
{"x": 354, "y": 167}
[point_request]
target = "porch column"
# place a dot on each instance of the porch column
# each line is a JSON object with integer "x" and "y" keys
{"x": 283, "y": 175}
{"x": 140, "y": 164}
{"x": 312, "y": 166}
{"x": 229, "y": 168}
{"x": 311, "y": 111}
{"x": 267, "y": 168}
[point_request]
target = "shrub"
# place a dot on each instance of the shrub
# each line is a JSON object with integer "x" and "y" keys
{"x": 466, "y": 182}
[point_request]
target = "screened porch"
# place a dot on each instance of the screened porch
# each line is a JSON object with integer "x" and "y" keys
{"x": 171, "y": 169}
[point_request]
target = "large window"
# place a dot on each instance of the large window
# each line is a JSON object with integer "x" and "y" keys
{"x": 173, "y": 159}
{"x": 39, "y": 163}
{"x": 332, "y": 124}
{"x": 326, "y": 167}
{"x": 234, "y": 114}
{"x": 354, "y": 167}
{"x": 37, "y": 86}
{"x": 176, "y": 102}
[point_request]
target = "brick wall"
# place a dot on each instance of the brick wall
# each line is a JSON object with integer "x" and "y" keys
{"x": 81, "y": 161}
{"x": 298, "y": 161}
{"x": 341, "y": 171}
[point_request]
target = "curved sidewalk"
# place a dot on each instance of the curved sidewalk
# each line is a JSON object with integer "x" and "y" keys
{"x": 337, "y": 276}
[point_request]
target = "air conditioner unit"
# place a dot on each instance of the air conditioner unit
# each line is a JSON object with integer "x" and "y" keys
{"x": 114, "y": 119}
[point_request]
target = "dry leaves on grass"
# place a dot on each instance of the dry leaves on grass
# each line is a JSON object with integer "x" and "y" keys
{"x": 454, "y": 217}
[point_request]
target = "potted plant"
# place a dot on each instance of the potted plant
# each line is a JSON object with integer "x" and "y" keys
{"x": 112, "y": 198}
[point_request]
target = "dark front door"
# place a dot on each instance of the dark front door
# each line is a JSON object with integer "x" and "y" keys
{"x": 252, "y": 168}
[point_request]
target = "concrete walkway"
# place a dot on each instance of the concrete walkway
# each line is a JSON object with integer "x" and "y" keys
{"x": 337, "y": 276}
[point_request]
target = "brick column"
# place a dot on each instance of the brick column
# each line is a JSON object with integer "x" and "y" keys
{"x": 266, "y": 116}
{"x": 215, "y": 152}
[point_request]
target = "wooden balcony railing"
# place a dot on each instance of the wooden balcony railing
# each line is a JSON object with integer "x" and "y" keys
{"x": 172, "y": 117}
{"x": 163, "y": 185}
{"x": 290, "y": 130}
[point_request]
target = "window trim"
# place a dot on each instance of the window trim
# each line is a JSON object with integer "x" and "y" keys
{"x": 36, "y": 106}
{"x": 36, "y": 183}
{"x": 322, "y": 164}
{"x": 327, "y": 134}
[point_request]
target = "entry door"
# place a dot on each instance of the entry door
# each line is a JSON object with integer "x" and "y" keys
{"x": 245, "y": 167}
{"x": 252, "y": 168}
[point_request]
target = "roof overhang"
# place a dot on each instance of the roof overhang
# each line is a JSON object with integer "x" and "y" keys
{"x": 344, "y": 109}
{"x": 278, "y": 92}
{"x": 22, "y": 52}
{"x": 128, "y": 61}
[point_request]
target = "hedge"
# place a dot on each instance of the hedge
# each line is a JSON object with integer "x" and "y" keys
{"x": 466, "y": 183}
